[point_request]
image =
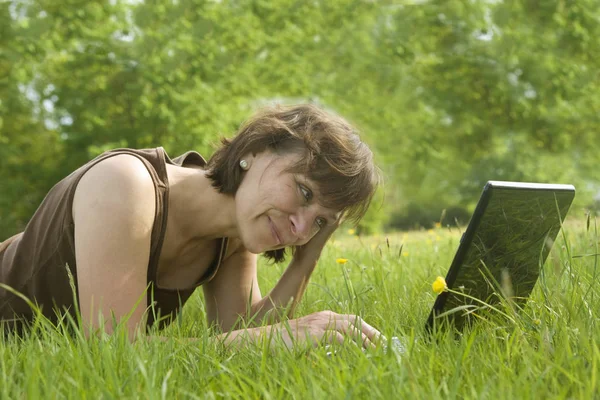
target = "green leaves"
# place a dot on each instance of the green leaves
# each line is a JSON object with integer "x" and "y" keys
{"x": 449, "y": 94}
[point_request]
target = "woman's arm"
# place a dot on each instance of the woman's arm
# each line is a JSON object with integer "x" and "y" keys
{"x": 316, "y": 328}
{"x": 234, "y": 293}
{"x": 230, "y": 294}
{"x": 113, "y": 210}
{"x": 290, "y": 288}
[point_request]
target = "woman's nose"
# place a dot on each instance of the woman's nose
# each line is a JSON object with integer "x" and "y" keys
{"x": 301, "y": 225}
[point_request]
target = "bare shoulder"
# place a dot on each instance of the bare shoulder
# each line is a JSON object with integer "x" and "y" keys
{"x": 113, "y": 211}
{"x": 117, "y": 185}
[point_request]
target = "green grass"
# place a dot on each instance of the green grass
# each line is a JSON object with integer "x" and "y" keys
{"x": 552, "y": 352}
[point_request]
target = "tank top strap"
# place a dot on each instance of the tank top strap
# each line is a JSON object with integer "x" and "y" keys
{"x": 154, "y": 160}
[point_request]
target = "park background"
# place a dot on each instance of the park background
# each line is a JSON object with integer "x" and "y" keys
{"x": 449, "y": 94}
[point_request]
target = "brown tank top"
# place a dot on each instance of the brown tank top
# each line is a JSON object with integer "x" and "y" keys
{"x": 37, "y": 262}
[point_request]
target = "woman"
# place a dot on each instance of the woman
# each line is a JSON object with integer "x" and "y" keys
{"x": 138, "y": 232}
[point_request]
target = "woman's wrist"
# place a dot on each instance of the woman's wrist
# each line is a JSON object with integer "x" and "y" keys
{"x": 305, "y": 258}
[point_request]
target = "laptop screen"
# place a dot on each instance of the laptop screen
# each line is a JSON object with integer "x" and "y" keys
{"x": 506, "y": 243}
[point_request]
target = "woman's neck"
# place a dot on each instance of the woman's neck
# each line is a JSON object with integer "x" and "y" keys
{"x": 198, "y": 211}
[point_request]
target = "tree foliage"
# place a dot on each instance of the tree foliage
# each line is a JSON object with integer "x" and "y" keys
{"x": 449, "y": 94}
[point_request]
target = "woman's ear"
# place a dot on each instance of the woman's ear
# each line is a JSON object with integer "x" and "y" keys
{"x": 246, "y": 161}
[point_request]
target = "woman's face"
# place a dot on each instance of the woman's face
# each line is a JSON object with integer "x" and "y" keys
{"x": 275, "y": 208}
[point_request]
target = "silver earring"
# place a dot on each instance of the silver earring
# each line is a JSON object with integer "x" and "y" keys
{"x": 244, "y": 165}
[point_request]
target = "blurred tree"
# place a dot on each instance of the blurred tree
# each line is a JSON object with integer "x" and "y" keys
{"x": 27, "y": 146}
{"x": 510, "y": 89}
{"x": 448, "y": 93}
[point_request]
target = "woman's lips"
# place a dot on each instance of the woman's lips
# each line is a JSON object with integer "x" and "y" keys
{"x": 274, "y": 232}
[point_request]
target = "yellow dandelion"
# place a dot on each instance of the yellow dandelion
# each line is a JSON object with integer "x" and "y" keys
{"x": 439, "y": 285}
{"x": 341, "y": 260}
{"x": 351, "y": 231}
{"x": 437, "y": 238}
{"x": 405, "y": 254}
{"x": 438, "y": 225}
{"x": 430, "y": 231}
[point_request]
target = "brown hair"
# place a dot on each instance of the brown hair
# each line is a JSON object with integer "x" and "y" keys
{"x": 335, "y": 158}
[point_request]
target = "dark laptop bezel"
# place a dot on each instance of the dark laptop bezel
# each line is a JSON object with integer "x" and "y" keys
{"x": 469, "y": 234}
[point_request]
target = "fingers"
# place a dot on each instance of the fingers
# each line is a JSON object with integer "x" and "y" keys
{"x": 331, "y": 336}
{"x": 354, "y": 327}
{"x": 329, "y": 327}
{"x": 373, "y": 334}
{"x": 335, "y": 336}
{"x": 360, "y": 337}
{"x": 353, "y": 332}
{"x": 328, "y": 230}
{"x": 315, "y": 244}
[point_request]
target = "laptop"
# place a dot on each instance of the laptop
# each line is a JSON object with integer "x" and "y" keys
{"x": 502, "y": 251}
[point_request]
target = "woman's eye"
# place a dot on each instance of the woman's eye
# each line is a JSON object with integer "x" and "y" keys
{"x": 306, "y": 193}
{"x": 321, "y": 222}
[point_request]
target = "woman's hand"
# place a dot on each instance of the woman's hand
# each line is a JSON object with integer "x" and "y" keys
{"x": 320, "y": 328}
{"x": 315, "y": 245}
{"x": 329, "y": 327}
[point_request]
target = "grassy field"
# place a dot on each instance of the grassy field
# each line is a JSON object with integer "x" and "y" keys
{"x": 552, "y": 351}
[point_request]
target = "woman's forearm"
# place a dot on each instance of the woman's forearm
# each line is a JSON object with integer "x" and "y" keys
{"x": 242, "y": 336}
{"x": 288, "y": 291}
{"x": 253, "y": 335}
